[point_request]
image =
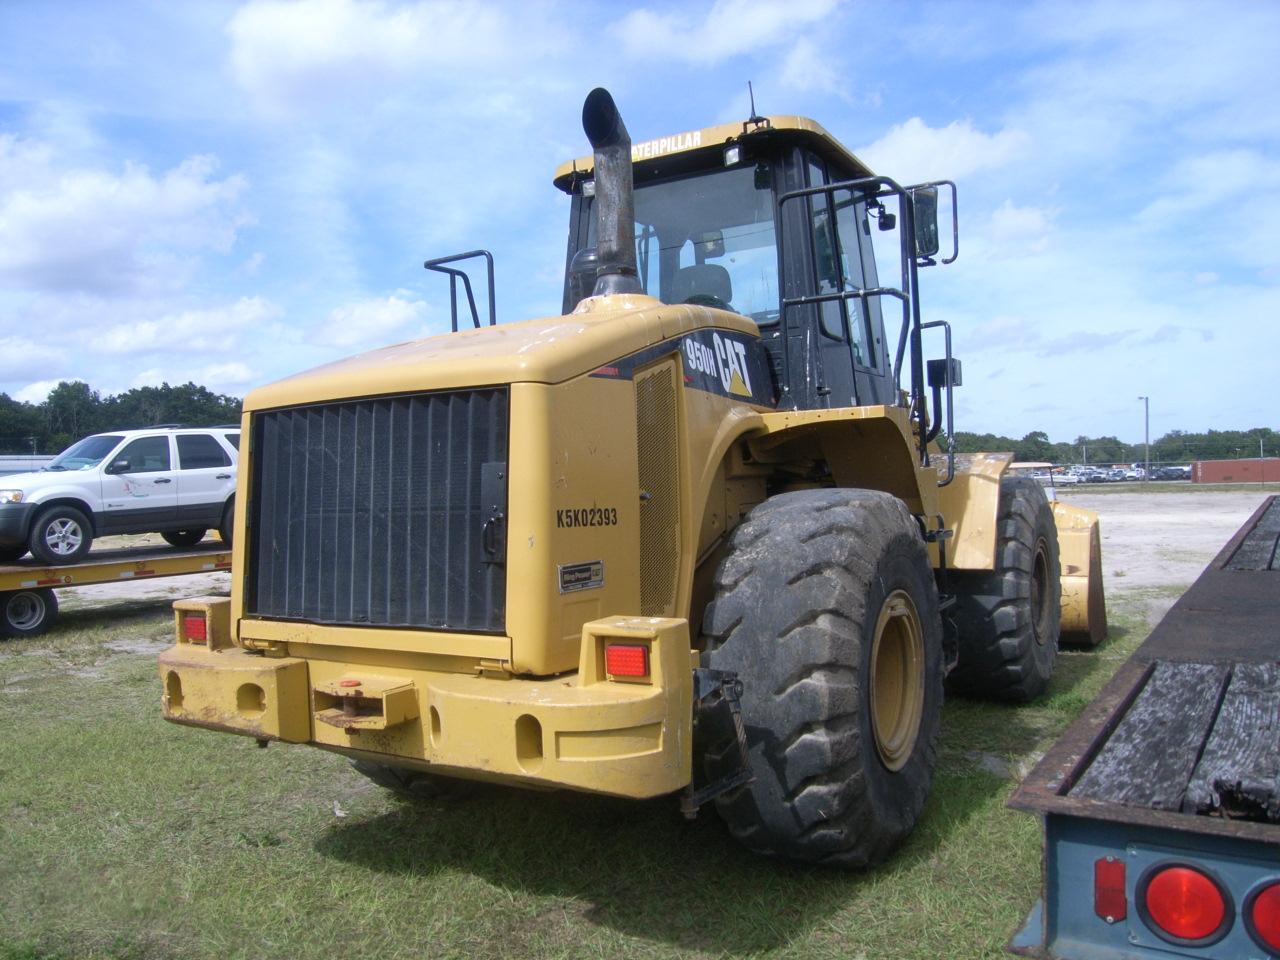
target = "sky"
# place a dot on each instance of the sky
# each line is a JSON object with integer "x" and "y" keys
{"x": 233, "y": 192}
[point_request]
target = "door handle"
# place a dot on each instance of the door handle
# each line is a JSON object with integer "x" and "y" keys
{"x": 223, "y": 476}
{"x": 163, "y": 480}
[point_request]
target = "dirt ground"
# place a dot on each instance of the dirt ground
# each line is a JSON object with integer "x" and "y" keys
{"x": 1154, "y": 544}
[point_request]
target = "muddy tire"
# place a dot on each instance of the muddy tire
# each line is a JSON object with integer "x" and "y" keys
{"x": 1009, "y": 618}
{"x": 412, "y": 784}
{"x": 184, "y": 538}
{"x": 827, "y": 610}
{"x": 26, "y": 613}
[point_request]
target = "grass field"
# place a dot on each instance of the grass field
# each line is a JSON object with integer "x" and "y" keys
{"x": 122, "y": 836}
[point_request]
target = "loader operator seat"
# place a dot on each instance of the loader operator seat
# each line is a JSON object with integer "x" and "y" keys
{"x": 703, "y": 284}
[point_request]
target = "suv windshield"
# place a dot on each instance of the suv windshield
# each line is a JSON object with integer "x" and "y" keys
{"x": 708, "y": 239}
{"x": 84, "y": 453}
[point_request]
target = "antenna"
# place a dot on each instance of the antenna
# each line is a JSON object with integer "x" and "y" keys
{"x": 755, "y": 117}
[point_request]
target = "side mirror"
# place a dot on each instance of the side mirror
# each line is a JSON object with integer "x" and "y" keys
{"x": 924, "y": 202}
{"x": 119, "y": 466}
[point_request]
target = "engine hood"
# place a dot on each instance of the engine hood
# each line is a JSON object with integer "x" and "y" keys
{"x": 547, "y": 350}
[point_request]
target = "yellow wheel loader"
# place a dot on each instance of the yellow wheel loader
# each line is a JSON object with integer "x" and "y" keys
{"x": 694, "y": 537}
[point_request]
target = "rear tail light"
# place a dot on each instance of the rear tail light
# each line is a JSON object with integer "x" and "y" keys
{"x": 195, "y": 628}
{"x": 1262, "y": 917}
{"x": 626, "y": 660}
{"x": 1109, "y": 900}
{"x": 1184, "y": 905}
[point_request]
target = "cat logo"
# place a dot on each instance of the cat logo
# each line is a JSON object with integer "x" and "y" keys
{"x": 725, "y": 360}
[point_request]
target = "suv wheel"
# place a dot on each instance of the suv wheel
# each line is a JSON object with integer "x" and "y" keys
{"x": 184, "y": 538}
{"x": 61, "y": 535}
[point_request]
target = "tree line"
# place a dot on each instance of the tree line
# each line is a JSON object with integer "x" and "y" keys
{"x": 1175, "y": 447}
{"x": 74, "y": 410}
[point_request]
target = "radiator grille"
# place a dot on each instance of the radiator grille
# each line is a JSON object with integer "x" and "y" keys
{"x": 658, "y": 456}
{"x": 382, "y": 512}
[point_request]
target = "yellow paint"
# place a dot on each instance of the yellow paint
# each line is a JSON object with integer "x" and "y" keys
{"x": 717, "y": 138}
{"x": 1084, "y": 609}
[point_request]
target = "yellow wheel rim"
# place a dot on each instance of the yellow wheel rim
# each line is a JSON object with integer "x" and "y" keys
{"x": 897, "y": 679}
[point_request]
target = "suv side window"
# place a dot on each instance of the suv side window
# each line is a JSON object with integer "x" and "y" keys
{"x": 197, "y": 451}
{"x": 146, "y": 455}
{"x": 233, "y": 439}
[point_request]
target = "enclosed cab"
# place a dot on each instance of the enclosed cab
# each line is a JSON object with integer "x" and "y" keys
{"x": 538, "y": 551}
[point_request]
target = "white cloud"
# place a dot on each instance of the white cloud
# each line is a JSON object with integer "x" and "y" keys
{"x": 20, "y": 355}
{"x": 92, "y": 230}
{"x": 1016, "y": 231}
{"x": 290, "y": 55}
{"x": 208, "y": 329}
{"x": 730, "y": 28}
{"x": 913, "y": 151}
{"x": 370, "y": 323}
{"x": 226, "y": 377}
{"x": 152, "y": 377}
{"x": 36, "y": 392}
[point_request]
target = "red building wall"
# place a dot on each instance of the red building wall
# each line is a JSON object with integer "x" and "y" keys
{"x": 1236, "y": 471}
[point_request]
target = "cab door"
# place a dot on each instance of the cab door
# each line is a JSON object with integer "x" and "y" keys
{"x": 139, "y": 488}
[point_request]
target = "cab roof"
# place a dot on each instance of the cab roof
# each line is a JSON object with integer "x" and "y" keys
{"x": 800, "y": 130}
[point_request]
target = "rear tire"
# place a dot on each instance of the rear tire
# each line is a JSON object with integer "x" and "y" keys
{"x": 827, "y": 610}
{"x": 61, "y": 535}
{"x": 227, "y": 526}
{"x": 184, "y": 538}
{"x": 412, "y": 784}
{"x": 1009, "y": 618}
{"x": 26, "y": 613}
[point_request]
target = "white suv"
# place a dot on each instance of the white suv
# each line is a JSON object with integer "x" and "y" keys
{"x": 175, "y": 481}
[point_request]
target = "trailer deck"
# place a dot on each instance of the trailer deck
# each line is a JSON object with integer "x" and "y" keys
{"x": 28, "y": 605}
{"x": 1177, "y": 759}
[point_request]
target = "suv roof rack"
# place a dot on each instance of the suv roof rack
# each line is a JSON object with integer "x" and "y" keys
{"x": 168, "y": 426}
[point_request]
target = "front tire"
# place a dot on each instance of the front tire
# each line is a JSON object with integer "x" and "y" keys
{"x": 26, "y": 613}
{"x": 1009, "y": 618}
{"x": 184, "y": 538}
{"x": 61, "y": 535}
{"x": 827, "y": 610}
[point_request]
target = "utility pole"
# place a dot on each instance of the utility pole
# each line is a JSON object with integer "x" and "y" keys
{"x": 1146, "y": 434}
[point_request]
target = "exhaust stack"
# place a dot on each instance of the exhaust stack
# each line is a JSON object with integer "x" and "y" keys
{"x": 615, "y": 206}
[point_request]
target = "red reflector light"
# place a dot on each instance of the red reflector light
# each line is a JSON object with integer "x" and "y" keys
{"x": 193, "y": 625}
{"x": 626, "y": 660}
{"x": 1109, "y": 901}
{"x": 1185, "y": 904}
{"x": 1264, "y": 917}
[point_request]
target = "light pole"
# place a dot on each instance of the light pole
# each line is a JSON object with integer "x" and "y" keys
{"x": 1146, "y": 435}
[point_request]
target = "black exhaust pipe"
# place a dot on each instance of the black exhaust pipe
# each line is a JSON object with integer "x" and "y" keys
{"x": 615, "y": 205}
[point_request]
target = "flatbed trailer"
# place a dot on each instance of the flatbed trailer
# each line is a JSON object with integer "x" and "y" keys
{"x": 28, "y": 605}
{"x": 1161, "y": 803}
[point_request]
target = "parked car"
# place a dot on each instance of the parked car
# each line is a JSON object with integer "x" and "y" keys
{"x": 175, "y": 481}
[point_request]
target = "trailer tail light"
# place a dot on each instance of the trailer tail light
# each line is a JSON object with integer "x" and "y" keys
{"x": 1185, "y": 905}
{"x": 1262, "y": 917}
{"x": 195, "y": 628}
{"x": 1109, "y": 901}
{"x": 629, "y": 660}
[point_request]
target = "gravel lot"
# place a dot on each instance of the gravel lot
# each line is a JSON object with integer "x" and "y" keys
{"x": 1155, "y": 543}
